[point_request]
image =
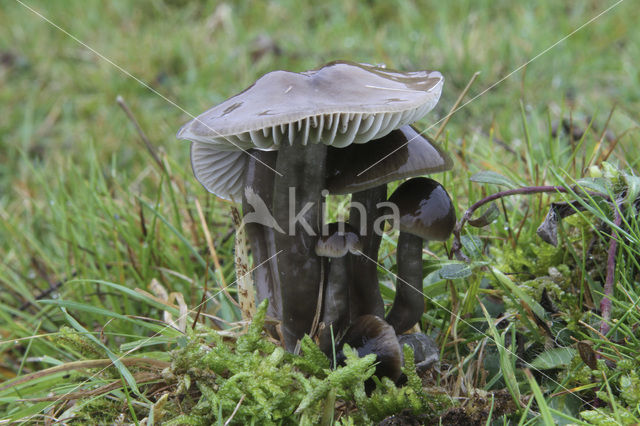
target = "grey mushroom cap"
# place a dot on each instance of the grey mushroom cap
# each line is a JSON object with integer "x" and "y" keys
{"x": 339, "y": 104}
{"x": 340, "y": 239}
{"x": 425, "y": 209}
{"x": 401, "y": 154}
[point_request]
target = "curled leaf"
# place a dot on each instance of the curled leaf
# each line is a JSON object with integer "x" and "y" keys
{"x": 587, "y": 354}
{"x": 488, "y": 216}
{"x": 548, "y": 230}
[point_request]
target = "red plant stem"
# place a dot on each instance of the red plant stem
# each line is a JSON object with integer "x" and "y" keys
{"x": 605, "y": 303}
{"x": 457, "y": 245}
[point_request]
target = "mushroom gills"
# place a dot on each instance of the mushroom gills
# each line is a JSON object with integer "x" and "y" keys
{"x": 220, "y": 172}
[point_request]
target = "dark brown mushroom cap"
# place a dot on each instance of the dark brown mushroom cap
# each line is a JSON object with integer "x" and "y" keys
{"x": 371, "y": 334}
{"x": 339, "y": 104}
{"x": 340, "y": 239}
{"x": 401, "y": 154}
{"x": 425, "y": 209}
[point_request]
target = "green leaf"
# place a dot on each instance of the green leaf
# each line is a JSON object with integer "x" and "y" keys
{"x": 487, "y": 176}
{"x": 131, "y": 294}
{"x": 542, "y": 403}
{"x": 517, "y": 291}
{"x": 633, "y": 187}
{"x": 452, "y": 271}
{"x": 600, "y": 185}
{"x": 30, "y": 411}
{"x": 553, "y": 358}
{"x": 506, "y": 356}
{"x": 472, "y": 245}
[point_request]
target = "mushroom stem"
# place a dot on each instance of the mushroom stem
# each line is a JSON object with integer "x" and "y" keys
{"x": 296, "y": 208}
{"x": 408, "y": 304}
{"x": 336, "y": 300}
{"x": 259, "y": 179}
{"x": 365, "y": 297}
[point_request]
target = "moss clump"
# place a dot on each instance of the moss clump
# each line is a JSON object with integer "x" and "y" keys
{"x": 411, "y": 400}
{"x": 255, "y": 380}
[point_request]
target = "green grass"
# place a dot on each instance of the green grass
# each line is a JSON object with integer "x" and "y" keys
{"x": 87, "y": 217}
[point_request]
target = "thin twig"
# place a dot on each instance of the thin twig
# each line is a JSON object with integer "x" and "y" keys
{"x": 613, "y": 145}
{"x": 527, "y": 190}
{"x": 204, "y": 297}
{"x": 316, "y": 317}
{"x": 140, "y": 378}
{"x": 52, "y": 287}
{"x": 214, "y": 255}
{"x": 120, "y": 100}
{"x": 212, "y": 248}
{"x": 457, "y": 245}
{"x": 77, "y": 365}
{"x": 235, "y": 410}
{"x": 455, "y": 105}
{"x": 594, "y": 155}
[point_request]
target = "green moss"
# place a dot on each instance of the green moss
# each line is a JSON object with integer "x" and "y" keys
{"x": 388, "y": 399}
{"x": 276, "y": 387}
{"x": 630, "y": 388}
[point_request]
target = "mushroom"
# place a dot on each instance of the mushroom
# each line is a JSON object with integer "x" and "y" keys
{"x": 299, "y": 114}
{"x": 370, "y": 334}
{"x": 256, "y": 200}
{"x": 403, "y": 153}
{"x": 339, "y": 239}
{"x": 365, "y": 170}
{"x": 426, "y": 213}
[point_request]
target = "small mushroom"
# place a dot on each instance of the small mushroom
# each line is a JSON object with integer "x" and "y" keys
{"x": 365, "y": 170}
{"x": 299, "y": 114}
{"x": 339, "y": 239}
{"x": 403, "y": 153}
{"x": 370, "y": 334}
{"x": 426, "y": 213}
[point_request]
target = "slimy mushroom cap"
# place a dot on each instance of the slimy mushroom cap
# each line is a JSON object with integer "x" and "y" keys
{"x": 338, "y": 104}
{"x": 425, "y": 209}
{"x": 401, "y": 154}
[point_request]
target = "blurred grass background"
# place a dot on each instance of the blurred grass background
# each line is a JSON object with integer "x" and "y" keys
{"x": 81, "y": 199}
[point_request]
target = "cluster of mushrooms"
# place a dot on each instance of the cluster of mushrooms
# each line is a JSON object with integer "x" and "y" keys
{"x": 285, "y": 143}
